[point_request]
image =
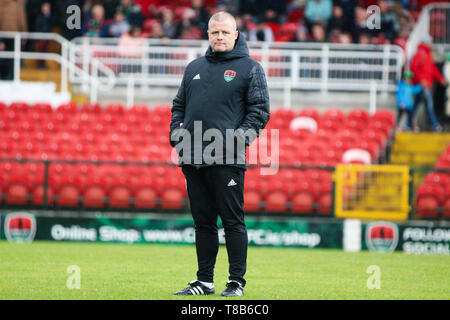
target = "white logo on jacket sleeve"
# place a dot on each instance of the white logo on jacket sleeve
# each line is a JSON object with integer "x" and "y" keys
{"x": 232, "y": 183}
{"x": 197, "y": 77}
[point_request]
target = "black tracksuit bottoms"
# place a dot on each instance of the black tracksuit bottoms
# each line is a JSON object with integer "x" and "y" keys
{"x": 218, "y": 191}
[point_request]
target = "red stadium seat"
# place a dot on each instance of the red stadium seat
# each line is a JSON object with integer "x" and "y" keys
{"x": 119, "y": 197}
{"x": 325, "y": 198}
{"x": 42, "y": 108}
{"x": 115, "y": 108}
{"x": 360, "y": 115}
{"x": 94, "y": 196}
{"x": 91, "y": 108}
{"x": 70, "y": 108}
{"x": 303, "y": 198}
{"x": 146, "y": 193}
{"x": 37, "y": 195}
{"x": 429, "y": 198}
{"x": 19, "y": 106}
{"x": 173, "y": 192}
{"x": 384, "y": 115}
{"x": 446, "y": 205}
{"x": 17, "y": 191}
{"x": 252, "y": 201}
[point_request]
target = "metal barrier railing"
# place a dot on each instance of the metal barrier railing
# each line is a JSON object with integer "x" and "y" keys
{"x": 288, "y": 66}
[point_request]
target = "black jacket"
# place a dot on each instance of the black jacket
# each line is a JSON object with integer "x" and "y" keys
{"x": 224, "y": 91}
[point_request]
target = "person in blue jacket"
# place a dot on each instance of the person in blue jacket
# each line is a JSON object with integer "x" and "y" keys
{"x": 405, "y": 99}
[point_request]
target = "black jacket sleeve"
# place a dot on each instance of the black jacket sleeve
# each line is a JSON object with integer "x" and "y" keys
{"x": 178, "y": 107}
{"x": 257, "y": 103}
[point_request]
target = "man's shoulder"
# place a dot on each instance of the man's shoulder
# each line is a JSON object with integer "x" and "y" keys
{"x": 196, "y": 62}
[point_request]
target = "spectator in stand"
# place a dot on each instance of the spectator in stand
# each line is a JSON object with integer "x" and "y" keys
{"x": 364, "y": 38}
{"x": 360, "y": 24}
{"x": 405, "y": 97}
{"x": 389, "y": 21}
{"x": 425, "y": 72}
{"x": 187, "y": 30}
{"x": 318, "y": 33}
{"x": 96, "y": 25}
{"x": 44, "y": 24}
{"x": 120, "y": 25}
{"x": 335, "y": 36}
{"x": 262, "y": 32}
{"x": 252, "y": 7}
{"x": 337, "y": 21}
{"x": 275, "y": 11}
{"x": 406, "y": 22}
{"x": 12, "y": 18}
{"x": 242, "y": 27}
{"x": 230, "y": 6}
{"x": 348, "y": 9}
{"x": 345, "y": 38}
{"x": 132, "y": 12}
{"x": 168, "y": 23}
{"x": 157, "y": 31}
{"x": 200, "y": 17}
{"x": 301, "y": 35}
{"x": 318, "y": 11}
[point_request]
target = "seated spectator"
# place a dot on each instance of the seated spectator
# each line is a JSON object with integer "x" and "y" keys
{"x": 262, "y": 32}
{"x": 43, "y": 24}
{"x": 406, "y": 22}
{"x": 360, "y": 24}
{"x": 348, "y": 9}
{"x": 335, "y": 36}
{"x": 345, "y": 38}
{"x": 318, "y": 33}
{"x": 337, "y": 20}
{"x": 301, "y": 35}
{"x": 132, "y": 12}
{"x": 168, "y": 23}
{"x": 157, "y": 31}
{"x": 364, "y": 38}
{"x": 200, "y": 16}
{"x": 96, "y": 26}
{"x": 388, "y": 20}
{"x": 318, "y": 11}
{"x": 187, "y": 30}
{"x": 242, "y": 27}
{"x": 120, "y": 25}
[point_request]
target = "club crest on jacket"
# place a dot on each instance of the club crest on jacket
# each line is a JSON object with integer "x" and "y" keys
{"x": 229, "y": 75}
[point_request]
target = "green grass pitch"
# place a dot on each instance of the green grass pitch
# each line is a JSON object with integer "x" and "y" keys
{"x": 119, "y": 271}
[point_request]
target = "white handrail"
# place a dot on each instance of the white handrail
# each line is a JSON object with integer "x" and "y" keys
{"x": 64, "y": 59}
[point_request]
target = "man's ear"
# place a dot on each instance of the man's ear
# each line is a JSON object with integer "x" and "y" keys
{"x": 237, "y": 35}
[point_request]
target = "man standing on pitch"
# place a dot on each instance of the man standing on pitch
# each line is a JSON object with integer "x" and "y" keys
{"x": 224, "y": 91}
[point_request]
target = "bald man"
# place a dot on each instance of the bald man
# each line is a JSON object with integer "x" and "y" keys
{"x": 224, "y": 95}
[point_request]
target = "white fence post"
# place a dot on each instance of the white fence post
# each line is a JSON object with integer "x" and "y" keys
{"x": 373, "y": 97}
{"x": 17, "y": 50}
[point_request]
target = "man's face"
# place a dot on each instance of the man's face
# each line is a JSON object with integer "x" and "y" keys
{"x": 222, "y": 35}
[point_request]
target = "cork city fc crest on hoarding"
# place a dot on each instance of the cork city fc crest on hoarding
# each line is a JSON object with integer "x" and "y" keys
{"x": 382, "y": 236}
{"x": 20, "y": 227}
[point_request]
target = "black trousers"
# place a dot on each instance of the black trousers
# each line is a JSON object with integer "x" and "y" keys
{"x": 218, "y": 191}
